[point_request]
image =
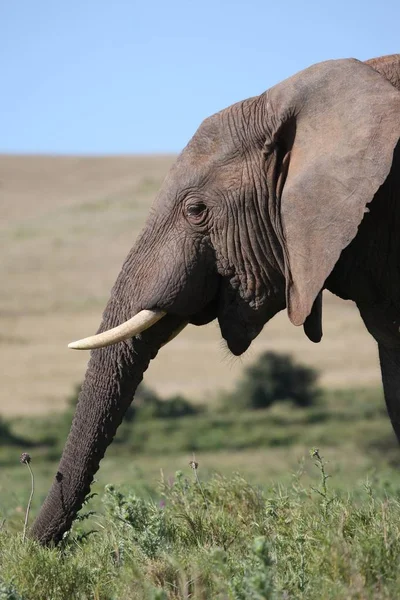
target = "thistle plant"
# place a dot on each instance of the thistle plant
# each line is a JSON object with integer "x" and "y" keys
{"x": 194, "y": 466}
{"x": 323, "y": 489}
{"x": 25, "y": 459}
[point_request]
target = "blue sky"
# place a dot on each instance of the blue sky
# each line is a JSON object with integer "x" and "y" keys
{"x": 113, "y": 76}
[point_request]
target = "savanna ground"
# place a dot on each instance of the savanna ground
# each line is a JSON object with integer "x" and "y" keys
{"x": 277, "y": 530}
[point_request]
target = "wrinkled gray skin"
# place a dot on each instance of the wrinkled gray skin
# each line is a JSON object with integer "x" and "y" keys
{"x": 264, "y": 208}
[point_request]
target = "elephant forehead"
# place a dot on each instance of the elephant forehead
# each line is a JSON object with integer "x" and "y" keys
{"x": 195, "y": 172}
{"x": 225, "y": 135}
{"x": 217, "y": 158}
{"x": 210, "y": 147}
{"x": 208, "y": 177}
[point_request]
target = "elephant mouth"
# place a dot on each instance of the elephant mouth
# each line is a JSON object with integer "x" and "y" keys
{"x": 242, "y": 321}
{"x": 236, "y": 330}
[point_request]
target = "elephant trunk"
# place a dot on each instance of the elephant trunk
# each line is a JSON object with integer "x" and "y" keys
{"x": 112, "y": 377}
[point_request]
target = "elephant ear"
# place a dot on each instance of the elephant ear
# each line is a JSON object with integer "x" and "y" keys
{"x": 343, "y": 120}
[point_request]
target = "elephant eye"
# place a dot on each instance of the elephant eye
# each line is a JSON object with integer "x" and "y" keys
{"x": 195, "y": 210}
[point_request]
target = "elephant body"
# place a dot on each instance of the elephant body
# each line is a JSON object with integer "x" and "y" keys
{"x": 274, "y": 199}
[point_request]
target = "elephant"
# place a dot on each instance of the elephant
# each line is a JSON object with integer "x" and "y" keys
{"x": 273, "y": 200}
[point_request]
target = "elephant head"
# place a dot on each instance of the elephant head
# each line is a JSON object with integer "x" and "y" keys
{"x": 251, "y": 219}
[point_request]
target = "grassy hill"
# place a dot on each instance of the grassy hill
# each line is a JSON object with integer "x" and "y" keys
{"x": 66, "y": 224}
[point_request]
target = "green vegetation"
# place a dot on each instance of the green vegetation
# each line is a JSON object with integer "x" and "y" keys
{"x": 290, "y": 525}
{"x": 339, "y": 417}
{"x": 273, "y": 378}
{"x": 219, "y": 539}
{"x": 8, "y": 438}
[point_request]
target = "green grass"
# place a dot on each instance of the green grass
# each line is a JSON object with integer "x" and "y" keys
{"x": 219, "y": 539}
{"x": 279, "y": 529}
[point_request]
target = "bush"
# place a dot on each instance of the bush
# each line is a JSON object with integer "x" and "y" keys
{"x": 8, "y": 438}
{"x": 147, "y": 405}
{"x": 276, "y": 377}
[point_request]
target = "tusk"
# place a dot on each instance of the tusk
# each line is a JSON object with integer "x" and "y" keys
{"x": 175, "y": 333}
{"x": 143, "y": 320}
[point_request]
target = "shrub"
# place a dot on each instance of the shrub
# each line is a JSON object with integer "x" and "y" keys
{"x": 276, "y": 377}
{"x": 170, "y": 408}
{"x": 8, "y": 438}
{"x": 148, "y": 405}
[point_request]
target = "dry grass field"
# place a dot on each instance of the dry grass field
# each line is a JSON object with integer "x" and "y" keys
{"x": 66, "y": 224}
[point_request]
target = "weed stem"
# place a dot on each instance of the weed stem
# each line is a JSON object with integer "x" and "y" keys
{"x": 25, "y": 460}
